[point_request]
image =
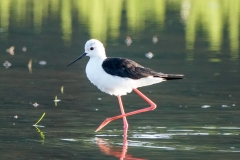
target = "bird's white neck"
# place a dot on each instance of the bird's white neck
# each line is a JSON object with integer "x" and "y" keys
{"x": 95, "y": 62}
{"x": 98, "y": 57}
{"x": 94, "y": 69}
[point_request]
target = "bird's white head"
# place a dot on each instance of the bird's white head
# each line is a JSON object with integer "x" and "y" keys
{"x": 94, "y": 49}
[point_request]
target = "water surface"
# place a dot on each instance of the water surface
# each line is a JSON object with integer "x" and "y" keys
{"x": 196, "y": 118}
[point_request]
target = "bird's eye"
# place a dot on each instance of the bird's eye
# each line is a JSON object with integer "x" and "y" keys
{"x": 91, "y": 48}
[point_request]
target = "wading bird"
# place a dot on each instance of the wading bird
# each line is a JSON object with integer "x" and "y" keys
{"x": 119, "y": 76}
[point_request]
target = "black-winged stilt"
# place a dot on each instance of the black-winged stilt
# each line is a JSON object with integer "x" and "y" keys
{"x": 119, "y": 76}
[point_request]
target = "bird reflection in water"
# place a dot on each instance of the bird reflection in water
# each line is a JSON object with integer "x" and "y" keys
{"x": 107, "y": 149}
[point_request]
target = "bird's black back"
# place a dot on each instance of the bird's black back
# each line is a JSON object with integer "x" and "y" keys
{"x": 127, "y": 68}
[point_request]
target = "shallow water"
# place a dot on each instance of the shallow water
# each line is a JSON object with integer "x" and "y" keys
{"x": 196, "y": 118}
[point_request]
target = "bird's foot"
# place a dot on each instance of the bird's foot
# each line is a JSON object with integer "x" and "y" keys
{"x": 104, "y": 123}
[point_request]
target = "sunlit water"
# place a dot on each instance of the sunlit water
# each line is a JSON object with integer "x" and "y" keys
{"x": 196, "y": 118}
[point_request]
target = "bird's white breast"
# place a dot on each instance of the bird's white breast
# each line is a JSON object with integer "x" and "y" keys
{"x": 114, "y": 85}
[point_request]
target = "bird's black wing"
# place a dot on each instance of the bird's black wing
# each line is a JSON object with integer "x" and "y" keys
{"x": 127, "y": 68}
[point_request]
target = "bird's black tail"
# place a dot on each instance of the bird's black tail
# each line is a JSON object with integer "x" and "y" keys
{"x": 172, "y": 76}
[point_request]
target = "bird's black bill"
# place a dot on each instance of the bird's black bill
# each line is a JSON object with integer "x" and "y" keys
{"x": 84, "y": 54}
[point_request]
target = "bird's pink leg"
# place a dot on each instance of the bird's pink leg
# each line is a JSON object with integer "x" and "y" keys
{"x": 152, "y": 107}
{"x": 125, "y": 123}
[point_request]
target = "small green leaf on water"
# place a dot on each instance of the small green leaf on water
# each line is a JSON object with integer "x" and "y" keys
{"x": 40, "y": 119}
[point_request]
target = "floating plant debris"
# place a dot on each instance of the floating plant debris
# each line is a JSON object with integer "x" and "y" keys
{"x": 35, "y": 104}
{"x": 24, "y": 49}
{"x": 62, "y": 89}
{"x": 149, "y": 55}
{"x": 128, "y": 41}
{"x": 30, "y": 66}
{"x": 42, "y": 63}
{"x": 206, "y": 106}
{"x": 10, "y": 50}
{"x": 56, "y": 100}
{"x": 154, "y": 39}
{"x": 39, "y": 119}
{"x": 225, "y": 106}
{"x": 7, "y": 64}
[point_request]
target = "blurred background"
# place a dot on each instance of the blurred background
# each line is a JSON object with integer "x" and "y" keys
{"x": 196, "y": 118}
